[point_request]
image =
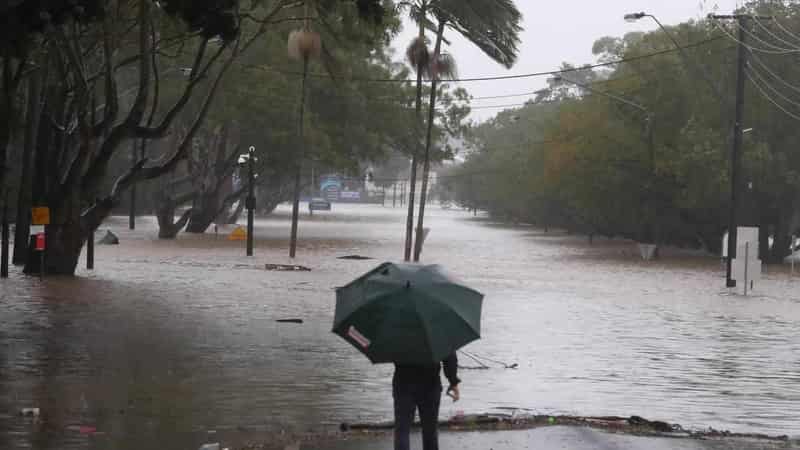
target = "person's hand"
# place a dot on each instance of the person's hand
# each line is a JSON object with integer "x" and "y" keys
{"x": 454, "y": 393}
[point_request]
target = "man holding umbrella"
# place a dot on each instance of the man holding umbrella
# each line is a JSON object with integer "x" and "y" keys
{"x": 420, "y": 387}
{"x": 416, "y": 317}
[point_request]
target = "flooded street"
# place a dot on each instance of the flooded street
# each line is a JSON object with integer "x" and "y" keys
{"x": 167, "y": 340}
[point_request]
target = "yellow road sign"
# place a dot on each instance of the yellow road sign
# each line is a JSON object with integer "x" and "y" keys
{"x": 40, "y": 215}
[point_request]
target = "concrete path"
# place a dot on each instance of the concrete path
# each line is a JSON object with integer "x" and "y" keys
{"x": 559, "y": 438}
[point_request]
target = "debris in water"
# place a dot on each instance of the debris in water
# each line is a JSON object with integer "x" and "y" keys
{"x": 289, "y": 321}
{"x": 355, "y": 257}
{"x": 109, "y": 239}
{"x": 29, "y": 412}
{"x": 214, "y": 446}
{"x": 287, "y": 268}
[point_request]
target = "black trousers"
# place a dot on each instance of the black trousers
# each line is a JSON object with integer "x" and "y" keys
{"x": 407, "y": 400}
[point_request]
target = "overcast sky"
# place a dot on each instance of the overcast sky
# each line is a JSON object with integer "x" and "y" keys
{"x": 560, "y": 31}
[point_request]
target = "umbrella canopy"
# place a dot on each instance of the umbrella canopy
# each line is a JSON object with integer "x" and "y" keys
{"x": 407, "y": 314}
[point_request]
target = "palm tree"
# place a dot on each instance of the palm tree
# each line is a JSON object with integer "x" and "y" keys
{"x": 419, "y": 57}
{"x": 491, "y": 25}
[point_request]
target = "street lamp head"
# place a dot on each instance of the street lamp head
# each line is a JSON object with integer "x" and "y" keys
{"x": 633, "y": 17}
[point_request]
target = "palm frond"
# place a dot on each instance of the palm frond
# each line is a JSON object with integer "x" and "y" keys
{"x": 492, "y": 25}
{"x": 444, "y": 67}
{"x": 419, "y": 55}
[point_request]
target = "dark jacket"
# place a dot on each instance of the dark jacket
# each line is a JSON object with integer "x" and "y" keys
{"x": 411, "y": 375}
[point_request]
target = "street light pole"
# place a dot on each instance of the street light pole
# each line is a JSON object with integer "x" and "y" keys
{"x": 701, "y": 70}
{"x": 251, "y": 199}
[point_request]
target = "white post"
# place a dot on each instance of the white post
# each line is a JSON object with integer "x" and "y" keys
{"x": 792, "y": 257}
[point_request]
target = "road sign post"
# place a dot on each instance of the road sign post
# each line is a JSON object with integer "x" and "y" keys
{"x": 41, "y": 245}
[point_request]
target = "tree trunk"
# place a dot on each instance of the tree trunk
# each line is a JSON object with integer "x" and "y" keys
{"x": 412, "y": 187}
{"x": 167, "y": 227}
{"x": 24, "y": 200}
{"x": 201, "y": 218}
{"x": 426, "y": 167}
{"x": 64, "y": 238}
{"x": 205, "y": 209}
{"x": 6, "y": 116}
{"x": 233, "y": 218}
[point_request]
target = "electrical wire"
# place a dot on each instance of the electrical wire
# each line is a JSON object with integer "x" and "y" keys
{"x": 774, "y": 36}
{"x": 756, "y": 38}
{"x": 748, "y": 46}
{"x": 786, "y": 30}
{"x": 774, "y": 75}
{"x": 524, "y": 94}
{"x": 770, "y": 99}
{"x": 502, "y": 77}
{"x": 772, "y": 88}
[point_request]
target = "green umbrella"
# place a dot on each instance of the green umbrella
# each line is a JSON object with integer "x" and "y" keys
{"x": 408, "y": 314}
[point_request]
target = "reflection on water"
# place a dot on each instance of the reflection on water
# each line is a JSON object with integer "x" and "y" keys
{"x": 167, "y": 340}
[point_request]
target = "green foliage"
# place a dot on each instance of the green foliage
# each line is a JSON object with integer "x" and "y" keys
{"x": 592, "y": 170}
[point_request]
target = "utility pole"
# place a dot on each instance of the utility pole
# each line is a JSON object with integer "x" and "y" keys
{"x": 736, "y": 150}
{"x": 251, "y": 199}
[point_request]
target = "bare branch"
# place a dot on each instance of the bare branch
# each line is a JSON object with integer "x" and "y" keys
{"x": 120, "y": 132}
{"x": 112, "y": 101}
{"x": 196, "y": 77}
{"x": 264, "y": 22}
{"x": 139, "y": 172}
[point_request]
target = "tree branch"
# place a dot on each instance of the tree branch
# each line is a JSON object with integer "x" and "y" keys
{"x": 228, "y": 201}
{"x": 195, "y": 78}
{"x": 120, "y": 132}
{"x": 112, "y": 100}
{"x": 139, "y": 172}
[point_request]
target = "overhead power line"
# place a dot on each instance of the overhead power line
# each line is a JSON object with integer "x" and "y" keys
{"x": 730, "y": 36}
{"x": 768, "y": 44}
{"x": 772, "y": 88}
{"x": 502, "y": 77}
{"x": 766, "y": 68}
{"x": 766, "y": 96}
{"x": 773, "y": 35}
{"x": 787, "y": 31}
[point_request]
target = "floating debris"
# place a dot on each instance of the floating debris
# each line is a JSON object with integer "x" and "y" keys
{"x": 355, "y": 257}
{"x": 109, "y": 239}
{"x": 286, "y": 268}
{"x": 290, "y": 321}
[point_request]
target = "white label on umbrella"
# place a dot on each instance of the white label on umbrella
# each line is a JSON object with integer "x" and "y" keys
{"x": 358, "y": 337}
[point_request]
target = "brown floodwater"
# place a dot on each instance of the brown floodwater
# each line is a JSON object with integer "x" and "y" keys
{"x": 167, "y": 340}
